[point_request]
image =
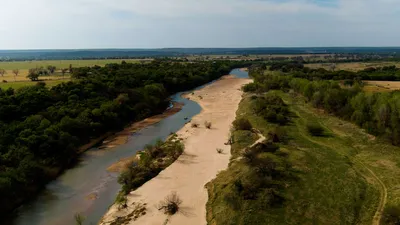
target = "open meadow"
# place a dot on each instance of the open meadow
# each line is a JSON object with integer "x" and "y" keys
{"x": 381, "y": 86}
{"x": 352, "y": 66}
{"x": 9, "y": 79}
{"x": 24, "y": 66}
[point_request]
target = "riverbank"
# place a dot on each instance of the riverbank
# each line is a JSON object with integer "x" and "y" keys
{"x": 111, "y": 140}
{"x": 199, "y": 163}
{"x": 121, "y": 137}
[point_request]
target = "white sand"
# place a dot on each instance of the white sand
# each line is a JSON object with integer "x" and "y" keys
{"x": 198, "y": 165}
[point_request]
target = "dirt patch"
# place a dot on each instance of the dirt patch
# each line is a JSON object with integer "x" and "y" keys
{"x": 122, "y": 164}
{"x": 381, "y": 86}
{"x": 385, "y": 163}
{"x": 92, "y": 196}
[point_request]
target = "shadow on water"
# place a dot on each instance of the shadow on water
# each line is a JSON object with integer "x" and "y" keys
{"x": 88, "y": 188}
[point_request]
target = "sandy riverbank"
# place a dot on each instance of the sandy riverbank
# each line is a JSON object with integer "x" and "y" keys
{"x": 197, "y": 165}
{"x": 110, "y": 140}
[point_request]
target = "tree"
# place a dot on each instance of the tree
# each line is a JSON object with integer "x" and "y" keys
{"x": 2, "y": 72}
{"x": 33, "y": 74}
{"x": 242, "y": 124}
{"x": 63, "y": 71}
{"x": 51, "y": 69}
{"x": 16, "y": 72}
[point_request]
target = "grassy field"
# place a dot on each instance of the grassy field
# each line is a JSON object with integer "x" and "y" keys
{"x": 24, "y": 66}
{"x": 352, "y": 66}
{"x": 52, "y": 80}
{"x": 381, "y": 86}
{"x": 20, "y": 84}
{"x": 342, "y": 177}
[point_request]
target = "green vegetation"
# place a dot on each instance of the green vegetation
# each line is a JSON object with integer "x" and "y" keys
{"x": 153, "y": 160}
{"x": 242, "y": 124}
{"x": 315, "y": 129}
{"x": 18, "y": 85}
{"x": 41, "y": 128}
{"x": 25, "y": 65}
{"x": 330, "y": 171}
{"x": 317, "y": 183}
{"x": 391, "y": 215}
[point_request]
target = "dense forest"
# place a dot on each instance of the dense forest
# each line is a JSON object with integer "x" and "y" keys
{"x": 41, "y": 129}
{"x": 297, "y": 69}
{"x": 377, "y": 113}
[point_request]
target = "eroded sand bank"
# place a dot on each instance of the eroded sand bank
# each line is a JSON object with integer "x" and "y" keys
{"x": 199, "y": 163}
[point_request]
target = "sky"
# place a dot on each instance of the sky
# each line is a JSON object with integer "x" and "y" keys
{"x": 73, "y": 24}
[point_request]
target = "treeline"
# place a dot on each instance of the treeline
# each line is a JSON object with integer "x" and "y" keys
{"x": 377, "y": 113}
{"x": 41, "y": 129}
{"x": 297, "y": 69}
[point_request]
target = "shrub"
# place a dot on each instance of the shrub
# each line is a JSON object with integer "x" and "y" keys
{"x": 249, "y": 155}
{"x": 220, "y": 150}
{"x": 170, "y": 205}
{"x": 315, "y": 129}
{"x": 195, "y": 125}
{"x": 121, "y": 201}
{"x": 265, "y": 147}
{"x": 207, "y": 124}
{"x": 277, "y": 134}
{"x": 79, "y": 219}
{"x": 391, "y": 215}
{"x": 242, "y": 124}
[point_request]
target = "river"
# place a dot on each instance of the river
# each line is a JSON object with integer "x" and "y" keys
{"x": 88, "y": 188}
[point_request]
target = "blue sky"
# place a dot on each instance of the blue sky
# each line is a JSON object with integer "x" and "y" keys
{"x": 61, "y": 24}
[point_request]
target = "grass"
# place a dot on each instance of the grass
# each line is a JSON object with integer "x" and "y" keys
{"x": 21, "y": 80}
{"x": 352, "y": 66}
{"x": 20, "y": 84}
{"x": 334, "y": 185}
{"x": 24, "y": 66}
{"x": 381, "y": 86}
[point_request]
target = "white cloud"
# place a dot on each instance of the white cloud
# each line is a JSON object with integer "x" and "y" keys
{"x": 213, "y": 23}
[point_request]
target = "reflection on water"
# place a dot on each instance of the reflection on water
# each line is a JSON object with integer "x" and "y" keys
{"x": 89, "y": 188}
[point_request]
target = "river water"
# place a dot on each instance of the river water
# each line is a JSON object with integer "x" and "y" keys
{"x": 88, "y": 188}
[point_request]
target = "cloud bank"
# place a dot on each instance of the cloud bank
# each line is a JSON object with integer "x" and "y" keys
{"x": 28, "y": 24}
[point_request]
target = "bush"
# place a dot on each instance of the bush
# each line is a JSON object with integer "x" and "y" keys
{"x": 391, "y": 215}
{"x": 220, "y": 150}
{"x": 242, "y": 124}
{"x": 121, "y": 201}
{"x": 207, "y": 124}
{"x": 277, "y": 134}
{"x": 315, "y": 129}
{"x": 170, "y": 205}
{"x": 265, "y": 147}
{"x": 195, "y": 125}
{"x": 79, "y": 219}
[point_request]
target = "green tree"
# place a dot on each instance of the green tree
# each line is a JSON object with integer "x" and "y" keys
{"x": 33, "y": 74}
{"x": 2, "y": 72}
{"x": 51, "y": 69}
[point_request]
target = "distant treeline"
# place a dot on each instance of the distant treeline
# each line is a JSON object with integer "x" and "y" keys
{"x": 297, "y": 69}
{"x": 169, "y": 52}
{"x": 41, "y": 129}
{"x": 377, "y": 113}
